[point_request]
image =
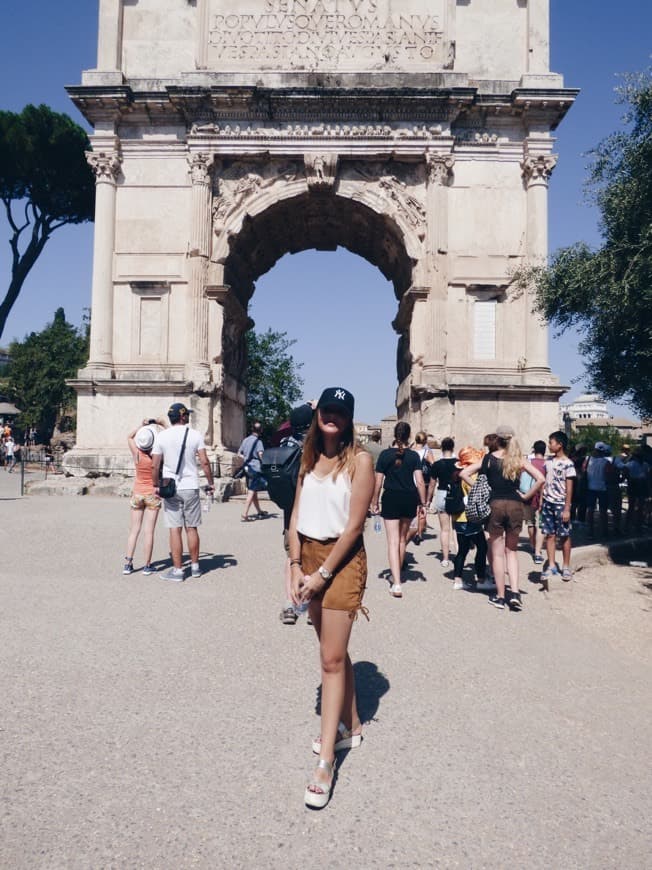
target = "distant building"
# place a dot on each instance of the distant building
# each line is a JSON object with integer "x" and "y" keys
{"x": 586, "y": 407}
{"x": 364, "y": 431}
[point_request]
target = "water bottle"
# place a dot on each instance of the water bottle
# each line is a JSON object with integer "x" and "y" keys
{"x": 378, "y": 526}
{"x": 301, "y": 608}
{"x": 208, "y": 500}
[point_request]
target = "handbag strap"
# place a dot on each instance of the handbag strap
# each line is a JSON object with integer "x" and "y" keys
{"x": 251, "y": 452}
{"x": 183, "y": 450}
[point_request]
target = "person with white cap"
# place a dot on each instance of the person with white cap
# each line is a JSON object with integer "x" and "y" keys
{"x": 145, "y": 503}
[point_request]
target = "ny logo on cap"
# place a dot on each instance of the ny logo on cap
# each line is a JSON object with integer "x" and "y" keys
{"x": 340, "y": 394}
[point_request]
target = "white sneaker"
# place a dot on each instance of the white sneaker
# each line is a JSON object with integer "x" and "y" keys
{"x": 458, "y": 584}
{"x": 445, "y": 563}
{"x": 396, "y": 591}
{"x": 178, "y": 575}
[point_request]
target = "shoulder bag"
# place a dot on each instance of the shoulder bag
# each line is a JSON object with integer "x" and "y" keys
{"x": 167, "y": 487}
{"x": 477, "y": 501}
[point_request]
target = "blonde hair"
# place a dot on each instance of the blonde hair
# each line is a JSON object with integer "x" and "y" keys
{"x": 512, "y": 461}
{"x": 421, "y": 437}
{"x": 313, "y": 447}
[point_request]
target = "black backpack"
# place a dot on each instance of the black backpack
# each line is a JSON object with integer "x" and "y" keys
{"x": 280, "y": 468}
{"x": 454, "y": 498}
{"x": 426, "y": 469}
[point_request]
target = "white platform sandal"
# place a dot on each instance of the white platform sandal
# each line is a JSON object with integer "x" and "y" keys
{"x": 318, "y": 799}
{"x": 346, "y": 740}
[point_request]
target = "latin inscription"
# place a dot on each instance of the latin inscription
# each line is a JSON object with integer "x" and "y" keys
{"x": 327, "y": 34}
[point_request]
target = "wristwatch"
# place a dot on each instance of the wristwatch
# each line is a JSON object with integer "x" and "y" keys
{"x": 325, "y": 573}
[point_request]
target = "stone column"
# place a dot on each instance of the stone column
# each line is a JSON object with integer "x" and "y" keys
{"x": 106, "y": 166}
{"x": 439, "y": 170}
{"x": 537, "y": 169}
{"x": 199, "y": 252}
{"x": 109, "y": 40}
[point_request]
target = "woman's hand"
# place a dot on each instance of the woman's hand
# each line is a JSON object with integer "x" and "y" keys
{"x": 312, "y": 584}
{"x": 296, "y": 583}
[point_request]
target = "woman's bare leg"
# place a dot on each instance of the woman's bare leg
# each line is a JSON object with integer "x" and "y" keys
{"x": 151, "y": 516}
{"x": 134, "y": 530}
{"x": 392, "y": 533}
{"x": 403, "y": 531}
{"x": 334, "y": 632}
{"x": 497, "y": 549}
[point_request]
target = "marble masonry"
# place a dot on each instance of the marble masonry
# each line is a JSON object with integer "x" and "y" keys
{"x": 418, "y": 134}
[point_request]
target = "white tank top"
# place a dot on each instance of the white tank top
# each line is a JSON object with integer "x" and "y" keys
{"x": 324, "y": 506}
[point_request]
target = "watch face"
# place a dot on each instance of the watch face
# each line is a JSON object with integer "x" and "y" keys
{"x": 325, "y": 573}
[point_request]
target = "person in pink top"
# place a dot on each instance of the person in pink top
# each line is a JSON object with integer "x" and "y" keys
{"x": 145, "y": 502}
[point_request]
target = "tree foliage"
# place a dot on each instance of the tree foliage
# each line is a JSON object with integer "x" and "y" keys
{"x": 607, "y": 293}
{"x": 591, "y": 434}
{"x": 273, "y": 381}
{"x": 45, "y": 183}
{"x": 38, "y": 369}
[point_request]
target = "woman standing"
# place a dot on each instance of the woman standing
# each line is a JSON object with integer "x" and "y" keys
{"x": 503, "y": 469}
{"x": 398, "y": 470}
{"x": 329, "y": 568}
{"x": 442, "y": 472}
{"x": 145, "y": 503}
{"x": 418, "y": 525}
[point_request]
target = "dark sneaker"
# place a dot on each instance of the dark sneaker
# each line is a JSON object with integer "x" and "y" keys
{"x": 288, "y": 616}
{"x": 148, "y": 569}
{"x": 515, "y": 602}
{"x": 497, "y": 602}
{"x": 416, "y": 540}
{"x": 128, "y": 567}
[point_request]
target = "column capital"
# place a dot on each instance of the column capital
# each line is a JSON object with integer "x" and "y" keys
{"x": 200, "y": 163}
{"x": 537, "y": 168}
{"x": 105, "y": 165}
{"x": 440, "y": 167}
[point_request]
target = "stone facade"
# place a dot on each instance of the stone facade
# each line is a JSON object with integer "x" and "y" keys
{"x": 230, "y": 132}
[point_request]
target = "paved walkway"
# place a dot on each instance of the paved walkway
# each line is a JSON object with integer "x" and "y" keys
{"x": 159, "y": 725}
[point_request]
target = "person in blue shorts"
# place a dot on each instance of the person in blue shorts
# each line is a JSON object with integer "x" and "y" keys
{"x": 556, "y": 506}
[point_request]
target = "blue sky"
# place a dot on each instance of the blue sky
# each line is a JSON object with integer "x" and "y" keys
{"x": 44, "y": 46}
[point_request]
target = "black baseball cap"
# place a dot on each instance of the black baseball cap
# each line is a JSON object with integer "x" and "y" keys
{"x": 337, "y": 397}
{"x": 177, "y": 410}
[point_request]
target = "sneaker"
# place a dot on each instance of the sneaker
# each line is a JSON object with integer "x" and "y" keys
{"x": 288, "y": 616}
{"x": 128, "y": 566}
{"x": 551, "y": 572}
{"x": 537, "y": 559}
{"x": 485, "y": 585}
{"x": 416, "y": 540}
{"x": 195, "y": 571}
{"x": 458, "y": 584}
{"x": 445, "y": 563}
{"x": 497, "y": 602}
{"x": 175, "y": 574}
{"x": 148, "y": 569}
{"x": 515, "y": 602}
{"x": 566, "y": 574}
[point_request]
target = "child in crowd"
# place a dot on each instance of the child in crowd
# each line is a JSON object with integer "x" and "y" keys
{"x": 556, "y": 506}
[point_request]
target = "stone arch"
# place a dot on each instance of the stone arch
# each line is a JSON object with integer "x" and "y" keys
{"x": 268, "y": 224}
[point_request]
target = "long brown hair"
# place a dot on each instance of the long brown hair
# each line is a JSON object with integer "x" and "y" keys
{"x": 313, "y": 447}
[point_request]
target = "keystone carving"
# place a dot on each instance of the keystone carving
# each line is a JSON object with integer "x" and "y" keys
{"x": 105, "y": 164}
{"x": 321, "y": 170}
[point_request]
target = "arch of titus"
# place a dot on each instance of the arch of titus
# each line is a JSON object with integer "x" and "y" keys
{"x": 416, "y": 133}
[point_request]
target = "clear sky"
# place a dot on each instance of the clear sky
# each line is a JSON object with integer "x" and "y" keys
{"x": 45, "y": 46}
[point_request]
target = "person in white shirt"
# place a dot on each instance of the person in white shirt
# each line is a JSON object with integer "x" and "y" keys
{"x": 183, "y": 510}
{"x": 329, "y": 568}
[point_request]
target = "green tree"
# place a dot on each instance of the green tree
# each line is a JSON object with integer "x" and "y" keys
{"x": 45, "y": 178}
{"x": 38, "y": 370}
{"x": 607, "y": 293}
{"x": 273, "y": 381}
{"x": 590, "y": 435}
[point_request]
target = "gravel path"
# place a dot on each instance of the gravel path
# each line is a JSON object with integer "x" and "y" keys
{"x": 160, "y": 725}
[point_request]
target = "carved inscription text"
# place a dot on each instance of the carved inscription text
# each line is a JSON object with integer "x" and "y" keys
{"x": 327, "y": 34}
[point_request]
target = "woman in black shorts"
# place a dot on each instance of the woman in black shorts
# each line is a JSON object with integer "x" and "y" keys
{"x": 398, "y": 470}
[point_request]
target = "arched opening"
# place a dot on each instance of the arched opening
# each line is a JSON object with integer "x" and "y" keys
{"x": 321, "y": 221}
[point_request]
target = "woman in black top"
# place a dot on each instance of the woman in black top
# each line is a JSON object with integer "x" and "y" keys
{"x": 404, "y": 495}
{"x": 442, "y": 472}
{"x": 503, "y": 469}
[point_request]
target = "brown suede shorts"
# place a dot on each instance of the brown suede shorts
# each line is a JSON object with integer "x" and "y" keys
{"x": 345, "y": 590}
